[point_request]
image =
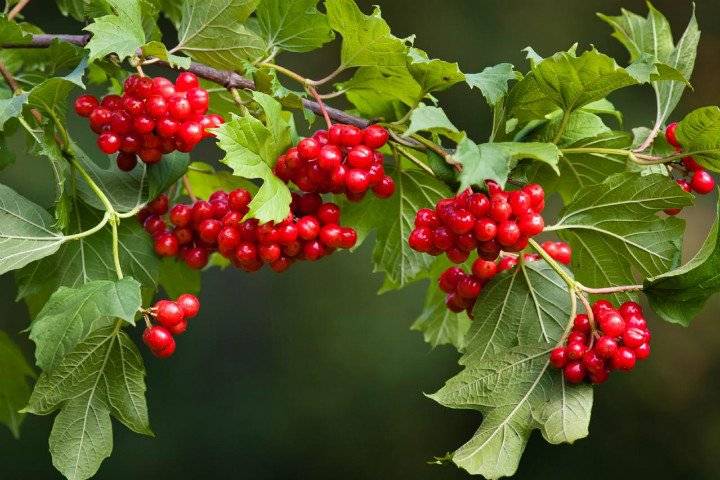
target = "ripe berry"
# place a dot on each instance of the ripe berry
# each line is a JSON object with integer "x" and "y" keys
{"x": 126, "y": 161}
{"x": 328, "y": 213}
{"x": 181, "y": 215}
{"x": 85, "y": 104}
{"x": 558, "y": 357}
{"x": 468, "y": 287}
{"x": 606, "y": 346}
{"x": 196, "y": 258}
{"x": 209, "y": 229}
{"x": 633, "y": 337}
{"x": 157, "y": 338}
{"x": 190, "y": 132}
{"x": 531, "y": 224}
{"x": 375, "y": 136}
{"x": 166, "y": 352}
{"x": 199, "y": 99}
{"x": 186, "y": 81}
{"x": 576, "y": 350}
{"x": 508, "y": 233}
{"x": 357, "y": 181}
{"x": 179, "y": 328}
{"x": 485, "y": 229}
{"x": 612, "y": 323}
{"x": 581, "y": 323}
{"x": 592, "y": 362}
{"x": 574, "y": 372}
{"x": 507, "y": 263}
{"x": 308, "y": 149}
{"x": 168, "y": 313}
{"x": 166, "y": 245}
{"x": 642, "y": 352}
{"x": 623, "y": 359}
{"x": 702, "y": 182}
{"x": 350, "y": 136}
{"x": 601, "y": 306}
{"x": 109, "y": 143}
{"x": 670, "y": 135}
{"x": 484, "y": 269}
{"x": 629, "y": 308}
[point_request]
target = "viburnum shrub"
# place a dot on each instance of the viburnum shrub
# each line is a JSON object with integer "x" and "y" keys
{"x": 540, "y": 303}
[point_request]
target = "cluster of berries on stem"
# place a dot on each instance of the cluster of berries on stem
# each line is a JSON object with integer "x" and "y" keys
{"x": 152, "y": 117}
{"x": 463, "y": 288}
{"x": 311, "y": 231}
{"x": 342, "y": 159}
{"x": 172, "y": 318}
{"x": 504, "y": 220}
{"x": 698, "y": 180}
{"x": 615, "y": 340}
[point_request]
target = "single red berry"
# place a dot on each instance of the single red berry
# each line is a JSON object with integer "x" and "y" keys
{"x": 330, "y": 157}
{"x": 563, "y": 253}
{"x": 500, "y": 209}
{"x": 209, "y": 229}
{"x": 179, "y": 108}
{"x": 375, "y": 136}
{"x": 623, "y": 359}
{"x": 450, "y": 278}
{"x": 159, "y": 206}
{"x": 108, "y": 143}
{"x": 576, "y": 337}
{"x": 111, "y": 102}
{"x": 179, "y": 328}
{"x": 186, "y": 81}
{"x": 485, "y": 229}
{"x": 144, "y": 86}
{"x": 184, "y": 235}
{"x": 190, "y": 133}
{"x": 507, "y": 263}
{"x": 457, "y": 255}
{"x": 199, "y": 100}
{"x": 281, "y": 264}
{"x": 630, "y": 308}
{"x": 574, "y": 372}
{"x": 85, "y": 104}
{"x": 575, "y": 350}
{"x": 702, "y": 182}
{"x": 350, "y": 136}
{"x": 643, "y": 351}
{"x": 308, "y": 227}
{"x": 601, "y": 306}
{"x": 633, "y": 337}
{"x": 455, "y": 303}
{"x": 166, "y": 352}
{"x": 154, "y": 224}
{"x": 442, "y": 238}
{"x": 606, "y": 346}
{"x": 581, "y": 323}
{"x": 239, "y": 199}
{"x": 592, "y": 362}
{"x": 314, "y": 250}
{"x": 270, "y": 252}
{"x": 168, "y": 313}
{"x": 635, "y": 320}
{"x": 426, "y": 218}
{"x": 163, "y": 87}
{"x": 421, "y": 239}
{"x": 357, "y": 180}
{"x": 166, "y": 245}
{"x": 520, "y": 202}
{"x": 157, "y": 338}
{"x": 596, "y": 378}
{"x": 348, "y": 238}
{"x": 181, "y": 215}
{"x": 167, "y": 127}
{"x": 484, "y": 269}
{"x": 468, "y": 287}
{"x": 330, "y": 235}
{"x": 558, "y": 357}
{"x": 670, "y": 135}
{"x": 196, "y": 258}
{"x": 328, "y": 213}
{"x": 201, "y": 210}
{"x": 126, "y": 161}
{"x": 531, "y": 224}
{"x": 612, "y": 323}
{"x": 156, "y": 106}
{"x": 508, "y": 233}
{"x": 478, "y": 204}
{"x": 308, "y": 148}
{"x": 537, "y": 195}
{"x": 133, "y": 106}
{"x": 150, "y": 156}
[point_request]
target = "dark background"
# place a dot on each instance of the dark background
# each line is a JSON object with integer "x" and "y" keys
{"x": 310, "y": 375}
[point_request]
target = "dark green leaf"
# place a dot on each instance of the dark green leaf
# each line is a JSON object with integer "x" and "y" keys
{"x": 699, "y": 133}
{"x": 433, "y": 75}
{"x": 293, "y": 25}
{"x": 204, "y": 180}
{"x": 121, "y": 33}
{"x": 382, "y": 92}
{"x": 52, "y": 96}
{"x": 11, "y": 107}
{"x": 177, "y": 278}
{"x": 14, "y": 388}
{"x": 492, "y": 82}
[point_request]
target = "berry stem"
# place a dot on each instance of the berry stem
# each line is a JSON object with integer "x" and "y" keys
{"x": 610, "y": 290}
{"x": 188, "y": 188}
{"x": 439, "y": 150}
{"x": 588, "y": 309}
{"x": 326, "y": 79}
{"x": 288, "y": 73}
{"x": 93, "y": 230}
{"x": 572, "y": 285}
{"x": 403, "y": 151}
{"x": 114, "y": 221}
{"x": 9, "y": 79}
{"x": 320, "y": 102}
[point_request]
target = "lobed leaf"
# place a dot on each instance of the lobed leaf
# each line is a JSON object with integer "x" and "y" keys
{"x": 492, "y": 82}
{"x": 433, "y": 75}
{"x": 121, "y": 33}
{"x": 293, "y": 25}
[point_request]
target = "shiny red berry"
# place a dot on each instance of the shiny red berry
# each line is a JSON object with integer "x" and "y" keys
{"x": 574, "y": 372}
{"x": 168, "y": 313}
{"x": 670, "y": 135}
{"x": 702, "y": 182}
{"x": 375, "y": 136}
{"x": 85, "y": 104}
{"x": 558, "y": 357}
{"x": 157, "y": 338}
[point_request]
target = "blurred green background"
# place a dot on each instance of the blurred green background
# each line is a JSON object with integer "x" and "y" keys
{"x": 310, "y": 375}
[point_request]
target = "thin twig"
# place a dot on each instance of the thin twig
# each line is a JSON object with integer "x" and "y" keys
{"x": 188, "y": 188}
{"x": 9, "y": 79}
{"x": 610, "y": 290}
{"x": 17, "y": 9}
{"x": 316, "y": 95}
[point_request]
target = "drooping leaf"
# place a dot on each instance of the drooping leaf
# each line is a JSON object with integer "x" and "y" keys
{"x": 433, "y": 75}
{"x": 11, "y": 107}
{"x": 14, "y": 388}
{"x": 121, "y": 33}
{"x": 53, "y": 95}
{"x": 520, "y": 317}
{"x": 382, "y": 92}
{"x": 393, "y": 220}
{"x": 699, "y": 133}
{"x": 366, "y": 39}
{"x": 432, "y": 119}
{"x": 251, "y": 151}
{"x": 90, "y": 258}
{"x": 102, "y": 376}
{"x": 26, "y": 232}
{"x": 159, "y": 50}
{"x": 492, "y": 81}
{"x": 212, "y": 32}
{"x": 177, "y": 278}
{"x": 652, "y": 36}
{"x": 678, "y": 296}
{"x": 72, "y": 313}
{"x": 616, "y": 234}
{"x": 293, "y": 25}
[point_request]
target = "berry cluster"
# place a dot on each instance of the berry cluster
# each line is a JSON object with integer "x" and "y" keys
{"x": 172, "y": 318}
{"x": 619, "y": 338}
{"x": 311, "y": 231}
{"x": 502, "y": 221}
{"x": 151, "y": 118}
{"x": 699, "y": 180}
{"x": 463, "y": 288}
{"x": 342, "y": 159}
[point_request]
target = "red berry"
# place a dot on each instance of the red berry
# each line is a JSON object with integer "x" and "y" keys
{"x": 375, "y": 136}
{"x": 485, "y": 229}
{"x": 537, "y": 195}
{"x": 350, "y": 136}
{"x": 623, "y": 359}
{"x": 461, "y": 221}
{"x": 606, "y": 346}
{"x": 168, "y": 313}
{"x": 179, "y": 107}
{"x": 202, "y": 210}
{"x": 691, "y": 164}
{"x": 633, "y": 337}
{"x": 357, "y": 181}
{"x": 167, "y": 127}
{"x": 670, "y": 135}
{"x": 166, "y": 245}
{"x": 442, "y": 238}
{"x": 126, "y": 161}
{"x": 468, "y": 287}
{"x": 531, "y": 224}
{"x": 186, "y": 81}
{"x": 574, "y": 372}
{"x": 421, "y": 239}
{"x": 575, "y": 350}
{"x": 592, "y": 362}
{"x": 85, "y": 104}
{"x": 199, "y": 99}
{"x": 348, "y": 238}
{"x": 563, "y": 253}
{"x": 190, "y": 133}
{"x": 520, "y": 202}
{"x": 239, "y": 199}
{"x": 484, "y": 269}
{"x": 642, "y": 352}
{"x": 702, "y": 182}
{"x": 109, "y": 143}
{"x": 308, "y": 149}
{"x": 181, "y": 215}
{"x": 269, "y": 253}
{"x": 426, "y": 218}
{"x": 508, "y": 233}
{"x": 154, "y": 224}
{"x": 196, "y": 258}
{"x": 500, "y": 209}
{"x": 601, "y": 306}
{"x": 328, "y": 213}
{"x": 630, "y": 308}
{"x": 330, "y": 157}
{"x": 157, "y": 338}
{"x": 209, "y": 229}
{"x": 450, "y": 278}
{"x": 179, "y": 328}
{"x": 600, "y": 376}
{"x": 581, "y": 323}
{"x": 330, "y": 235}
{"x": 558, "y": 357}
{"x": 507, "y": 263}
{"x": 111, "y": 102}
{"x": 313, "y": 250}
{"x": 612, "y": 323}
{"x": 166, "y": 352}
{"x": 150, "y": 155}
{"x": 308, "y": 227}
{"x": 576, "y": 337}
{"x": 635, "y": 320}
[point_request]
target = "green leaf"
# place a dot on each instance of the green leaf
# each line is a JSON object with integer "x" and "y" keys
{"x": 159, "y": 50}
{"x": 519, "y": 319}
{"x": 438, "y": 324}
{"x": 293, "y": 25}
{"x": 648, "y": 70}
{"x": 366, "y": 39}
{"x": 251, "y": 151}
{"x": 72, "y": 313}
{"x": 699, "y": 133}
{"x": 433, "y": 75}
{"x": 26, "y": 232}
{"x": 432, "y": 119}
{"x": 52, "y": 96}
{"x": 579, "y": 126}
{"x": 11, "y": 107}
{"x": 122, "y": 33}
{"x": 204, "y": 180}
{"x": 382, "y": 92}
{"x": 102, "y": 376}
{"x": 212, "y": 32}
{"x": 653, "y": 36}
{"x": 570, "y": 81}
{"x": 393, "y": 220}
{"x": 492, "y": 81}
{"x": 177, "y": 278}
{"x": 527, "y": 101}
{"x": 14, "y": 388}
{"x": 90, "y": 258}
{"x": 679, "y": 295}
{"x": 615, "y": 233}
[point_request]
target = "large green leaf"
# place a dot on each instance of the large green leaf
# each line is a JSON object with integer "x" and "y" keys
{"x": 102, "y": 376}
{"x": 121, "y": 33}
{"x": 652, "y": 36}
{"x": 251, "y": 151}
{"x": 14, "y": 388}
{"x": 382, "y": 92}
{"x": 432, "y": 119}
{"x": 679, "y": 295}
{"x": 520, "y": 317}
{"x": 52, "y": 96}
{"x": 72, "y": 313}
{"x": 699, "y": 132}
{"x": 293, "y": 25}
{"x": 615, "y": 233}
{"x": 90, "y": 258}
{"x": 492, "y": 81}
{"x": 26, "y": 232}
{"x": 433, "y": 75}
{"x": 212, "y": 32}
{"x": 366, "y": 39}
{"x": 393, "y": 220}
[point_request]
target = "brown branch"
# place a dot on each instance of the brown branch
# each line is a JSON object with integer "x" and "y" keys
{"x": 9, "y": 79}
{"x": 17, "y": 9}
